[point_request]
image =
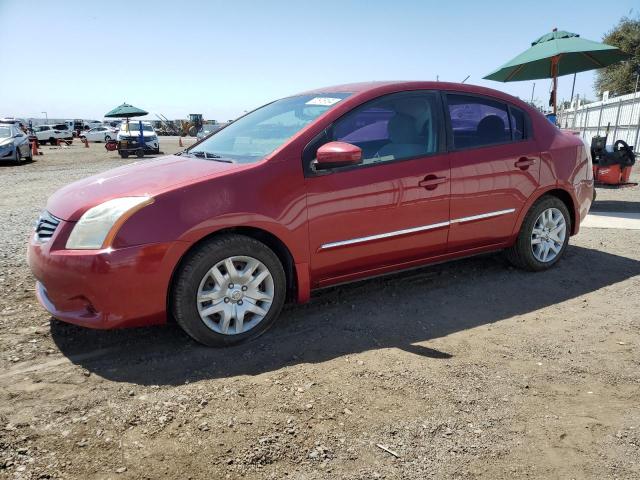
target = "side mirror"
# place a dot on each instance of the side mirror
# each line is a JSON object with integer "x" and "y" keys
{"x": 338, "y": 154}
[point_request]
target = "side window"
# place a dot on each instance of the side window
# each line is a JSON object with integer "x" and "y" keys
{"x": 477, "y": 121}
{"x": 518, "y": 124}
{"x": 393, "y": 127}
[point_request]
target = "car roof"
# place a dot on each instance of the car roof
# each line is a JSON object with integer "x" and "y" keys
{"x": 372, "y": 89}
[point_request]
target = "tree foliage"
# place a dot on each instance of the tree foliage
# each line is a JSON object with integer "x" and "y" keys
{"x": 620, "y": 78}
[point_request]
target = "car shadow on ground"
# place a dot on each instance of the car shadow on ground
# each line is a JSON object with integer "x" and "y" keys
{"x": 397, "y": 311}
{"x": 13, "y": 163}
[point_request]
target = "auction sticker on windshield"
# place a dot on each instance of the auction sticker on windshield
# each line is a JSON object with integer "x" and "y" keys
{"x": 324, "y": 101}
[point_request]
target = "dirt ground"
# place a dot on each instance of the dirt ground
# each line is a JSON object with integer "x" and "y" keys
{"x": 470, "y": 369}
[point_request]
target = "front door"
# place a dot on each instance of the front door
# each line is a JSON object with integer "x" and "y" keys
{"x": 394, "y": 207}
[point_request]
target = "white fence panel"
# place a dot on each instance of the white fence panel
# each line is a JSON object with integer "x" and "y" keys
{"x": 622, "y": 114}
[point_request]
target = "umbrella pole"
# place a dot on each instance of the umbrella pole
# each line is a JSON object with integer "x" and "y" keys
{"x": 554, "y": 90}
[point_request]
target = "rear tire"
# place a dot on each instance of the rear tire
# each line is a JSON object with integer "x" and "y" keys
{"x": 543, "y": 237}
{"x": 124, "y": 154}
{"x": 52, "y": 141}
{"x": 195, "y": 270}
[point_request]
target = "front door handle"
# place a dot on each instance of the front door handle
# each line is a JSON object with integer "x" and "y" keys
{"x": 431, "y": 182}
{"x": 523, "y": 163}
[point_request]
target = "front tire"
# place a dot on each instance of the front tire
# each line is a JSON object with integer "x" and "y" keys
{"x": 228, "y": 290}
{"x": 543, "y": 237}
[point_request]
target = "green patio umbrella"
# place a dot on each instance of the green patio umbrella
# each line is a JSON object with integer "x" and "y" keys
{"x": 555, "y": 54}
{"x": 126, "y": 111}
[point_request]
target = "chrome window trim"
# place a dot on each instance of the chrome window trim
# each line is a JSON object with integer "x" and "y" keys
{"x": 422, "y": 228}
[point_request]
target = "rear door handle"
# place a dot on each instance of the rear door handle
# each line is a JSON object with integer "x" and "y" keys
{"x": 431, "y": 182}
{"x": 523, "y": 163}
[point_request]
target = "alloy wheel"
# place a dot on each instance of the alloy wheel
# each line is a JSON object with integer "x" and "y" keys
{"x": 235, "y": 295}
{"x": 548, "y": 235}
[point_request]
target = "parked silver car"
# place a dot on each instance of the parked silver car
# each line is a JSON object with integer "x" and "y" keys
{"x": 14, "y": 144}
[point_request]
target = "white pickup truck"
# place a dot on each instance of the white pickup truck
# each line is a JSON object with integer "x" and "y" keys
{"x": 49, "y": 133}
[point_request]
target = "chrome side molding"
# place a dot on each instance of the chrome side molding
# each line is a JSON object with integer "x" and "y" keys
{"x": 422, "y": 228}
{"x": 483, "y": 215}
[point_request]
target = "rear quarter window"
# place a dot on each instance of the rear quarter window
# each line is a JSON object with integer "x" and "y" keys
{"x": 518, "y": 124}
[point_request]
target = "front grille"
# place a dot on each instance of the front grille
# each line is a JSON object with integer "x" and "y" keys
{"x": 46, "y": 226}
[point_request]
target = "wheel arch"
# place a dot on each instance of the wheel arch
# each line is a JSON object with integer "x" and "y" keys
{"x": 565, "y": 197}
{"x": 560, "y": 193}
{"x": 268, "y": 238}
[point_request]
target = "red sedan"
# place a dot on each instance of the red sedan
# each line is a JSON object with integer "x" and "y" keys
{"x": 325, "y": 187}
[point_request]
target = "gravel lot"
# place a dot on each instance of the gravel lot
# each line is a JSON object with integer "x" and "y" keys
{"x": 466, "y": 370}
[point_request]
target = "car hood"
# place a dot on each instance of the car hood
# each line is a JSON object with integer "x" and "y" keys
{"x": 147, "y": 177}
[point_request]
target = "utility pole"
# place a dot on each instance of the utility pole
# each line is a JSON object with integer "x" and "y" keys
{"x": 46, "y": 117}
{"x": 532, "y": 92}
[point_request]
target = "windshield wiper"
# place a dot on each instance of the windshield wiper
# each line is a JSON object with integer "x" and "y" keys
{"x": 209, "y": 156}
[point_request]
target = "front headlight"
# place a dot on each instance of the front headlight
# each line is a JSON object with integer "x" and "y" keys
{"x": 99, "y": 225}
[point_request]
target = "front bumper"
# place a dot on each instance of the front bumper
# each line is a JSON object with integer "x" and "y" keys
{"x": 110, "y": 288}
{"x": 8, "y": 153}
{"x": 149, "y": 146}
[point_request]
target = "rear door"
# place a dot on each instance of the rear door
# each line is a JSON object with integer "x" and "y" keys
{"x": 495, "y": 167}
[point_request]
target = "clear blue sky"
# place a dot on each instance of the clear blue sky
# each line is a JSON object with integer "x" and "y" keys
{"x": 81, "y": 58}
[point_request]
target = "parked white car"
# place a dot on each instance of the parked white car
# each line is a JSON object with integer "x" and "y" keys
{"x": 99, "y": 134}
{"x": 129, "y": 135}
{"x": 92, "y": 123}
{"x": 49, "y": 133}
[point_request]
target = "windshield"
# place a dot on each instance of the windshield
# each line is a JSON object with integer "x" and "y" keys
{"x": 5, "y": 132}
{"x": 135, "y": 127}
{"x": 260, "y": 132}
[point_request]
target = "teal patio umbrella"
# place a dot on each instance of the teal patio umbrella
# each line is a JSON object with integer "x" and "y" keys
{"x": 125, "y": 111}
{"x": 555, "y": 54}
{"x": 128, "y": 111}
